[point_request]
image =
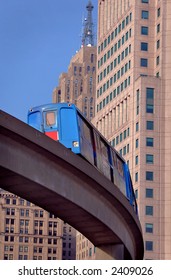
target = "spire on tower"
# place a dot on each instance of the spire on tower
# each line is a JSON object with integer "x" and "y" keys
{"x": 88, "y": 35}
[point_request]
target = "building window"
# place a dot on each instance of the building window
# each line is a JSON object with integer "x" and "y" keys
{"x": 14, "y": 201}
{"x": 21, "y": 201}
{"x": 149, "y": 175}
{"x": 75, "y": 70}
{"x": 144, "y": 14}
{"x": 144, "y": 62}
{"x": 149, "y": 142}
{"x": 149, "y": 228}
{"x": 144, "y": 46}
{"x": 127, "y": 148}
{"x": 150, "y": 125}
{"x": 158, "y": 28}
{"x": 144, "y": 30}
{"x": 136, "y": 177}
{"x": 149, "y": 193}
{"x": 157, "y": 60}
{"x": 149, "y": 245}
{"x": 136, "y": 160}
{"x": 158, "y": 12}
{"x": 136, "y": 143}
{"x": 158, "y": 44}
{"x": 138, "y": 102}
{"x": 149, "y": 159}
{"x": 41, "y": 213}
{"x": 7, "y": 200}
{"x": 149, "y": 100}
{"x": 149, "y": 210}
{"x": 144, "y": 1}
{"x": 137, "y": 126}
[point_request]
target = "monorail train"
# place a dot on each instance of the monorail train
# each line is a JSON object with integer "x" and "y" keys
{"x": 64, "y": 122}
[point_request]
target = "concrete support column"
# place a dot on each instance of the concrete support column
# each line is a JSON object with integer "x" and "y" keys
{"x": 110, "y": 252}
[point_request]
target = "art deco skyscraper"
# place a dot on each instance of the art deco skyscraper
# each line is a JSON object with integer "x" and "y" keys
{"x": 78, "y": 85}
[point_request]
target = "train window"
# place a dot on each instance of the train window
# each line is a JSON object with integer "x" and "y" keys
{"x": 104, "y": 150}
{"x": 50, "y": 118}
{"x": 85, "y": 129}
{"x": 114, "y": 158}
{"x": 86, "y": 139}
{"x": 120, "y": 166}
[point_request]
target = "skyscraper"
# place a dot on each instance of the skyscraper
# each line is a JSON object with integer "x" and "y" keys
{"x": 133, "y": 106}
{"x": 78, "y": 85}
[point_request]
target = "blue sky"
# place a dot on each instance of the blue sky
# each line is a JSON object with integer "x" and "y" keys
{"x": 37, "y": 41}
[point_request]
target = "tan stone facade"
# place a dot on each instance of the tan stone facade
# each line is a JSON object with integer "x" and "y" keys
{"x": 28, "y": 232}
{"x": 133, "y": 106}
{"x": 85, "y": 250}
{"x": 78, "y": 85}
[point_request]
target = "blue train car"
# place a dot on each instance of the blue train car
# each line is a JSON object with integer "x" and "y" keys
{"x": 63, "y": 122}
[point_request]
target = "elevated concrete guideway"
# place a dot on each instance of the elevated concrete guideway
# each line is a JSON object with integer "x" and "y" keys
{"x": 47, "y": 174}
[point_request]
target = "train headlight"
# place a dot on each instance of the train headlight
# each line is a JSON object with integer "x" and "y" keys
{"x": 75, "y": 144}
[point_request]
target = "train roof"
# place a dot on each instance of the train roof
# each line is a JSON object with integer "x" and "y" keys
{"x": 51, "y": 106}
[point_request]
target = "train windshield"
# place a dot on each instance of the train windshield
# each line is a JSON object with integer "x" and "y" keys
{"x": 50, "y": 118}
{"x": 34, "y": 120}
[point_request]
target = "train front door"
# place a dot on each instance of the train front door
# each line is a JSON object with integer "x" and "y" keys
{"x": 50, "y": 124}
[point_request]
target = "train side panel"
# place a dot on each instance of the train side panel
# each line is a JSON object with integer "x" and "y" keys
{"x": 103, "y": 158}
{"x": 86, "y": 139}
{"x": 129, "y": 189}
{"x": 34, "y": 119}
{"x": 118, "y": 172}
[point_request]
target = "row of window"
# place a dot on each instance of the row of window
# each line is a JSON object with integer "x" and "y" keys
{"x": 114, "y": 64}
{"x": 149, "y": 125}
{"x": 144, "y": 61}
{"x": 145, "y": 13}
{"x": 24, "y": 212}
{"x": 118, "y": 139}
{"x": 148, "y": 193}
{"x": 124, "y": 150}
{"x": 122, "y": 136}
{"x": 13, "y": 201}
{"x": 25, "y": 257}
{"x": 114, "y": 48}
{"x": 149, "y": 159}
{"x": 149, "y": 176}
{"x": 115, "y": 33}
{"x": 123, "y": 70}
{"x": 24, "y": 249}
{"x": 25, "y": 239}
{"x": 114, "y": 93}
{"x": 144, "y": 46}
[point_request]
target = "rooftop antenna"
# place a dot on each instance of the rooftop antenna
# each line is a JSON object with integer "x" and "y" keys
{"x": 88, "y": 35}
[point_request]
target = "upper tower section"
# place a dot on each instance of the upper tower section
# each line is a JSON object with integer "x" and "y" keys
{"x": 88, "y": 35}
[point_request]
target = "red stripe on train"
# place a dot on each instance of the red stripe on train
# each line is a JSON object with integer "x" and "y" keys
{"x": 52, "y": 134}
